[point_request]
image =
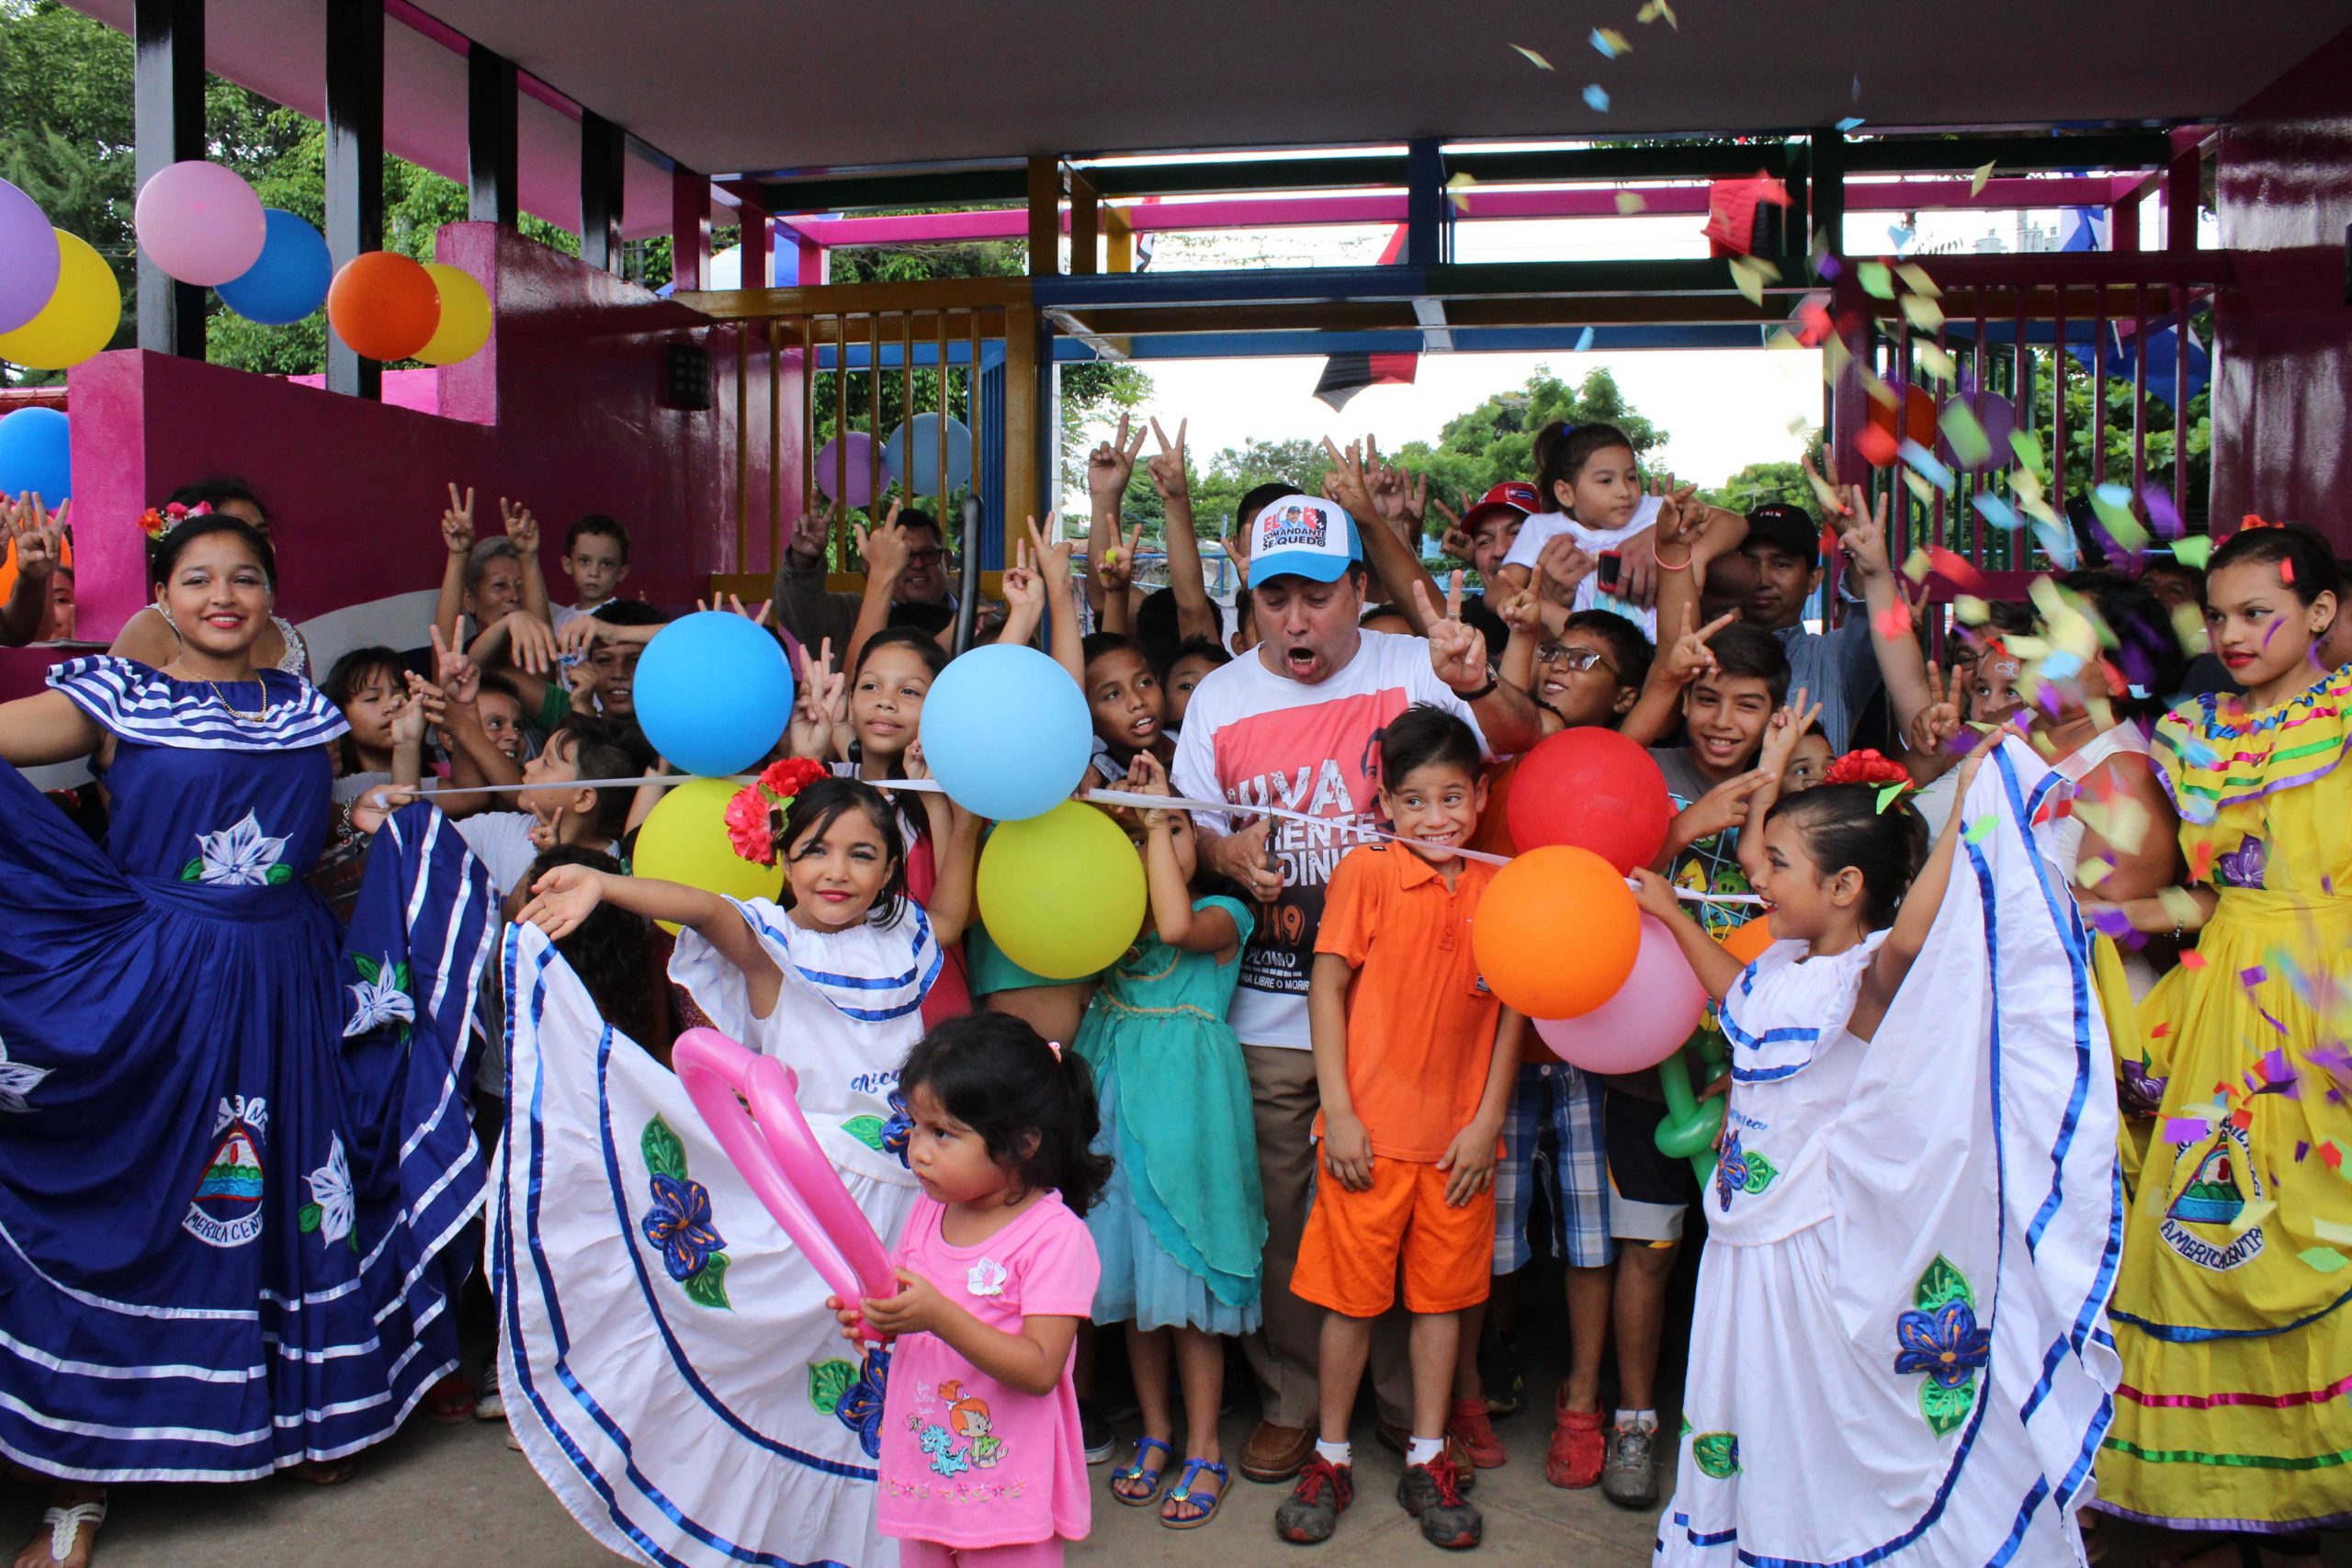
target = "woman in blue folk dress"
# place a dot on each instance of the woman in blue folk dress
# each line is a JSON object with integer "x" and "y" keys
{"x": 234, "y": 1157}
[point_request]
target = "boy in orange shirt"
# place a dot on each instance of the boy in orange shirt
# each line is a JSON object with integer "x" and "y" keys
{"x": 1414, "y": 1058}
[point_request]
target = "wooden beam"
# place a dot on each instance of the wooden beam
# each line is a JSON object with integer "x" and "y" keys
{"x": 1045, "y": 216}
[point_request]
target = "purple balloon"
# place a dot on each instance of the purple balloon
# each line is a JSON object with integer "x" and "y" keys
{"x": 29, "y": 258}
{"x": 854, "y": 451}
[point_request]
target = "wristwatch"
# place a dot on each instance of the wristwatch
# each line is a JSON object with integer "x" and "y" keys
{"x": 1493, "y": 679}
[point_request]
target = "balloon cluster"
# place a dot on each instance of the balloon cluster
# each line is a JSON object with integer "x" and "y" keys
{"x": 712, "y": 693}
{"x": 909, "y": 459}
{"x": 59, "y": 304}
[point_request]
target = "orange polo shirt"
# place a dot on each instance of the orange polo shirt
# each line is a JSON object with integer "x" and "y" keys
{"x": 1420, "y": 1021}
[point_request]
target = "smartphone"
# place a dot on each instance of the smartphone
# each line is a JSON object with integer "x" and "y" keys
{"x": 1611, "y": 565}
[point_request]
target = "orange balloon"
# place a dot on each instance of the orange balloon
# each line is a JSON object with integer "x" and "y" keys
{"x": 1747, "y": 942}
{"x": 1557, "y": 932}
{"x": 384, "y": 304}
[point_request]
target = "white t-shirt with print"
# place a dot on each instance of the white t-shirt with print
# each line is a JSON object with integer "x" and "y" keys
{"x": 1256, "y": 738}
{"x": 1544, "y": 526}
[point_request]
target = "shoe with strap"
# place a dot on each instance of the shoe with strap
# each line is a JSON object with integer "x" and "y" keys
{"x": 64, "y": 1527}
{"x": 1312, "y": 1510}
{"x": 1431, "y": 1493}
{"x": 1469, "y": 1428}
{"x": 1579, "y": 1448}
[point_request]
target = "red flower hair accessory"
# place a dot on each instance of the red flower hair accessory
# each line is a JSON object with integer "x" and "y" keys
{"x": 155, "y": 523}
{"x": 755, "y": 817}
{"x": 1875, "y": 769}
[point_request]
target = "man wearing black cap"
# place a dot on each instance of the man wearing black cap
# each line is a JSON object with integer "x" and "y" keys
{"x": 1837, "y": 669}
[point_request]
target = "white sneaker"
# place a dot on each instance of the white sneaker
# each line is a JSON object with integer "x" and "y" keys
{"x": 489, "y": 1403}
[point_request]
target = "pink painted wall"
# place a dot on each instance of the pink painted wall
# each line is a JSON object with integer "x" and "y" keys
{"x": 2282, "y": 385}
{"x": 561, "y": 410}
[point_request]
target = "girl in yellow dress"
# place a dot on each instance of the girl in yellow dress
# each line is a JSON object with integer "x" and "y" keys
{"x": 2233, "y": 1311}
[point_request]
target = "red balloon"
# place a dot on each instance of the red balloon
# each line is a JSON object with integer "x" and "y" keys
{"x": 383, "y": 305}
{"x": 1592, "y": 789}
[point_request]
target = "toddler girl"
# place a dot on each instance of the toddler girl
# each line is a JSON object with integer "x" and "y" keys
{"x": 982, "y": 1464}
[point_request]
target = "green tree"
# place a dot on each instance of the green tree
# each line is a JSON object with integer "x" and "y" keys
{"x": 1495, "y": 440}
{"x": 1760, "y": 484}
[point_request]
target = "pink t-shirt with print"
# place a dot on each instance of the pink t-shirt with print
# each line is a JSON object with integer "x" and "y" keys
{"x": 966, "y": 1461}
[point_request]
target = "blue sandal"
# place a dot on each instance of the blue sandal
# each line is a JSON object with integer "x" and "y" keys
{"x": 1140, "y": 1471}
{"x": 1184, "y": 1494}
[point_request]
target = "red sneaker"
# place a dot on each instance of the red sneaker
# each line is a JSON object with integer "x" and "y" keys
{"x": 1470, "y": 1426}
{"x": 1580, "y": 1445}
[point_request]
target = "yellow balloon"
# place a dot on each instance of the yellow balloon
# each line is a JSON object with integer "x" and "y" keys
{"x": 465, "y": 316}
{"x": 1062, "y": 894}
{"x": 686, "y": 840}
{"x": 80, "y": 318}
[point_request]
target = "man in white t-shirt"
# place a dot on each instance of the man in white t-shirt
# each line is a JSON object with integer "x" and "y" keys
{"x": 1295, "y": 724}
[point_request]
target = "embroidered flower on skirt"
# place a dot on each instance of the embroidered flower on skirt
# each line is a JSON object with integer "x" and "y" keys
{"x": 680, "y": 1224}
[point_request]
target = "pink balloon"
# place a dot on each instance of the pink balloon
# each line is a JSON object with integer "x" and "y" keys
{"x": 857, "y": 484}
{"x": 1651, "y": 1015}
{"x": 200, "y": 223}
{"x": 773, "y": 1148}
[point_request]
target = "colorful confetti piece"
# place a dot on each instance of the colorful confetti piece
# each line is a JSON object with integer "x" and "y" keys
{"x": 1750, "y": 273}
{"x": 1976, "y": 833}
{"x": 1584, "y": 340}
{"x": 1630, "y": 202}
{"x": 1954, "y": 569}
{"x": 1922, "y": 312}
{"x": 1934, "y": 360}
{"x": 1533, "y": 58}
{"x": 1657, "y": 10}
{"x": 1610, "y": 42}
{"x": 1997, "y": 512}
{"x": 2163, "y": 512}
{"x": 1914, "y": 277}
{"x": 1457, "y": 190}
{"x": 2326, "y": 1260}
{"x": 1852, "y": 122}
{"x": 1928, "y": 466}
{"x": 1877, "y": 279}
{"x": 1976, "y": 181}
{"x": 2254, "y": 976}
{"x": 2185, "y": 1129}
{"x": 1596, "y": 98}
{"x": 1966, "y": 435}
{"x": 2027, "y": 446}
{"x": 2193, "y": 550}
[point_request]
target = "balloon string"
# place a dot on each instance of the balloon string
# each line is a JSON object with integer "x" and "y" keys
{"x": 1103, "y": 798}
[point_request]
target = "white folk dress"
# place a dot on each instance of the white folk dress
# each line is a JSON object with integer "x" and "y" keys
{"x": 1901, "y": 1353}
{"x": 670, "y": 1369}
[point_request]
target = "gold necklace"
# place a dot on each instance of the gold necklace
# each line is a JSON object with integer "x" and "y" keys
{"x": 237, "y": 713}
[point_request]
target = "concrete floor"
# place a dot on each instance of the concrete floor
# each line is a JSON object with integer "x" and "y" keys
{"x": 456, "y": 1494}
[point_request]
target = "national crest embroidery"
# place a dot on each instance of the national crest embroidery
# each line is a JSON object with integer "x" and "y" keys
{"x": 226, "y": 1210}
{"x": 2215, "y": 1198}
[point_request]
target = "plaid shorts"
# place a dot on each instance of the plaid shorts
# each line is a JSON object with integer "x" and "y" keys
{"x": 1567, "y": 1101}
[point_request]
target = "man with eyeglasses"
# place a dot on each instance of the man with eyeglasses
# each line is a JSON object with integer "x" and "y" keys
{"x": 806, "y": 609}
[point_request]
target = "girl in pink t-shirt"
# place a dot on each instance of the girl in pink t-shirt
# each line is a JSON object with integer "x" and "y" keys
{"x": 981, "y": 1460}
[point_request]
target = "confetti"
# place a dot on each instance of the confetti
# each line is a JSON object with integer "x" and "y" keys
{"x": 1610, "y": 42}
{"x": 2286, "y": 575}
{"x": 1533, "y": 58}
{"x": 1877, "y": 279}
{"x": 1830, "y": 502}
{"x": 2112, "y": 505}
{"x": 1851, "y": 122}
{"x": 1922, "y": 312}
{"x": 2163, "y": 512}
{"x": 1750, "y": 273}
{"x": 2193, "y": 550}
{"x": 1889, "y": 793}
{"x": 2331, "y": 1155}
{"x": 1964, "y": 434}
{"x": 1954, "y": 569}
{"x": 1916, "y": 565}
{"x": 1994, "y": 510}
{"x": 2328, "y": 1229}
{"x": 1928, "y": 466}
{"x": 1976, "y": 833}
{"x": 2090, "y": 874}
{"x": 1458, "y": 190}
{"x": 1630, "y": 202}
{"x": 2176, "y": 902}
{"x": 1972, "y": 611}
{"x": 2055, "y": 541}
{"x": 1876, "y": 445}
{"x": 1657, "y": 10}
{"x": 2028, "y": 447}
{"x": 2254, "y": 976}
{"x": 1584, "y": 340}
{"x": 1596, "y": 98}
{"x": 2326, "y": 1260}
{"x": 1919, "y": 488}
{"x": 1934, "y": 360}
{"x": 2185, "y": 1129}
{"x": 1914, "y": 277}
{"x": 1976, "y": 181}
{"x": 1892, "y": 622}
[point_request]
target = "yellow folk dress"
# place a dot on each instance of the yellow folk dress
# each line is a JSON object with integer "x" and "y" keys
{"x": 2234, "y": 1309}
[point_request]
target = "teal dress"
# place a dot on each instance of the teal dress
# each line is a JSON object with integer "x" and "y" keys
{"x": 1181, "y": 1227}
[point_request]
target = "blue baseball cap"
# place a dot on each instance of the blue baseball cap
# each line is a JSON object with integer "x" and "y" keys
{"x": 1303, "y": 535}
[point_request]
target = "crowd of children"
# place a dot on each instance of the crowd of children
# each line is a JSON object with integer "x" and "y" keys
{"x": 2027, "y": 1195}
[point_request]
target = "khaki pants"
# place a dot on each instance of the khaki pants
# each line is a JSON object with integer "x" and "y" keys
{"x": 1282, "y": 1353}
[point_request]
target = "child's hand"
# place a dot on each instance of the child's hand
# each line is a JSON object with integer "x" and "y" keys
{"x": 580, "y": 635}
{"x": 547, "y": 830}
{"x": 1021, "y": 586}
{"x": 1116, "y": 569}
{"x": 1655, "y": 893}
{"x": 1721, "y": 807}
{"x": 1470, "y": 1161}
{"x": 816, "y": 701}
{"x": 1561, "y": 565}
{"x": 1682, "y": 517}
{"x": 38, "y": 537}
{"x": 1976, "y": 755}
{"x": 1167, "y": 470}
{"x": 368, "y": 813}
{"x": 1862, "y": 531}
{"x": 522, "y": 528}
{"x": 1049, "y": 553}
{"x": 529, "y": 642}
{"x": 428, "y": 702}
{"x": 847, "y": 1317}
{"x": 1691, "y": 658}
{"x": 458, "y": 522}
{"x": 1347, "y": 1151}
{"x": 566, "y": 896}
{"x": 1786, "y": 728}
{"x": 584, "y": 682}
{"x": 1146, "y": 776}
{"x": 454, "y": 673}
{"x": 1523, "y": 614}
{"x": 918, "y": 1308}
{"x": 1110, "y": 466}
{"x": 1932, "y": 728}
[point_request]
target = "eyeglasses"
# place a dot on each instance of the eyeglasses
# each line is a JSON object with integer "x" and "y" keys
{"x": 930, "y": 555}
{"x": 1577, "y": 659}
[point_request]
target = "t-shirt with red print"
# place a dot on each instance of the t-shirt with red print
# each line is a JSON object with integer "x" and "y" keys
{"x": 1258, "y": 738}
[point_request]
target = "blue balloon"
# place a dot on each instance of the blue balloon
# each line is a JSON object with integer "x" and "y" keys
{"x": 919, "y": 475}
{"x": 713, "y": 693}
{"x": 289, "y": 280}
{"x": 1005, "y": 731}
{"x": 34, "y": 456}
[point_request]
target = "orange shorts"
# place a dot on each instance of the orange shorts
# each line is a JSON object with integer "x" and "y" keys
{"x": 1356, "y": 1242}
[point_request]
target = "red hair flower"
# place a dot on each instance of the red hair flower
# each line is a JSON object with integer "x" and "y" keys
{"x": 1874, "y": 770}
{"x": 155, "y": 523}
{"x": 756, "y": 816}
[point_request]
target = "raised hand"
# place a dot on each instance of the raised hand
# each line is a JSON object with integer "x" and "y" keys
{"x": 1523, "y": 612}
{"x": 1724, "y": 807}
{"x": 1347, "y": 482}
{"x": 1117, "y": 568}
{"x": 1167, "y": 469}
{"x": 1930, "y": 731}
{"x": 1146, "y": 776}
{"x": 454, "y": 672}
{"x": 1832, "y": 501}
{"x": 812, "y": 531}
{"x": 1457, "y": 651}
{"x": 1785, "y": 728}
{"x": 884, "y": 548}
{"x": 1690, "y": 657}
{"x": 1022, "y": 587}
{"x": 458, "y": 522}
{"x": 559, "y": 900}
{"x": 38, "y": 538}
{"x": 529, "y": 642}
{"x": 1560, "y": 566}
{"x": 1861, "y": 532}
{"x": 1112, "y": 464}
{"x": 817, "y": 703}
{"x": 522, "y": 528}
{"x": 1049, "y": 552}
{"x": 409, "y": 719}
{"x": 1455, "y": 541}
{"x": 580, "y": 633}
